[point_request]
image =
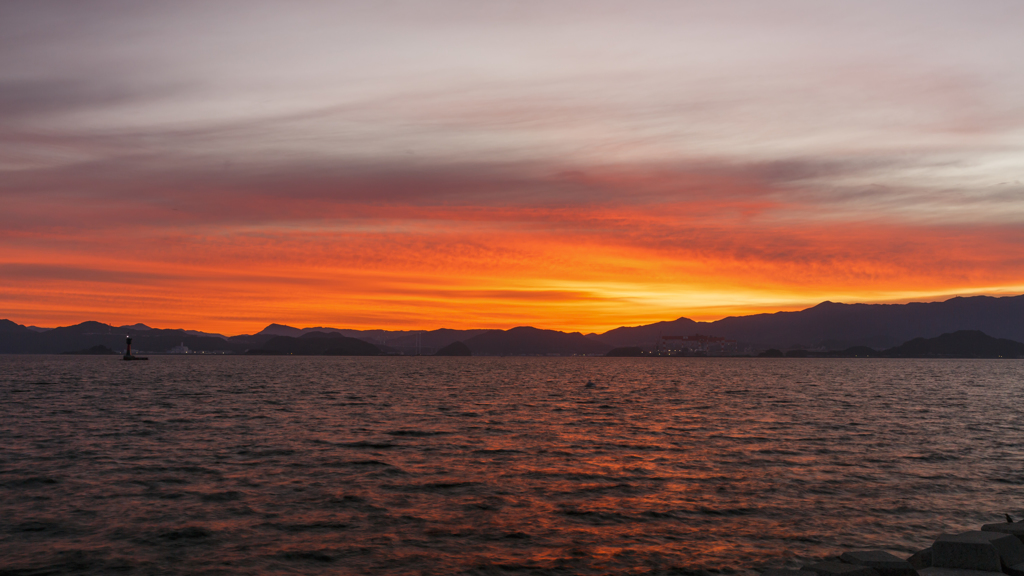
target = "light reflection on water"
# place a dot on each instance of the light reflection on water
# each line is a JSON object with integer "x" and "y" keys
{"x": 491, "y": 466}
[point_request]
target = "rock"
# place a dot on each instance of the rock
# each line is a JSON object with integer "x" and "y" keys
{"x": 784, "y": 572}
{"x": 933, "y": 571}
{"x": 922, "y": 559}
{"x": 1016, "y": 528}
{"x": 987, "y": 551}
{"x": 839, "y": 569}
{"x": 884, "y": 563}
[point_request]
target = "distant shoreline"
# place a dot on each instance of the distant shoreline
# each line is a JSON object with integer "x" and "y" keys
{"x": 974, "y": 327}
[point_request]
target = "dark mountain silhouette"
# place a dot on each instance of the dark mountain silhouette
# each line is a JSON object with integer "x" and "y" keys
{"x": 854, "y": 352}
{"x": 249, "y": 341}
{"x": 82, "y": 336}
{"x": 825, "y": 326}
{"x": 648, "y": 334}
{"x": 839, "y": 326}
{"x": 282, "y": 330}
{"x": 198, "y": 333}
{"x": 625, "y": 352}
{"x": 454, "y": 349}
{"x": 428, "y": 341}
{"x": 139, "y": 326}
{"x": 318, "y": 344}
{"x": 19, "y": 339}
{"x": 959, "y": 344}
{"x": 526, "y": 340}
{"x": 160, "y": 340}
{"x": 98, "y": 350}
{"x": 395, "y": 341}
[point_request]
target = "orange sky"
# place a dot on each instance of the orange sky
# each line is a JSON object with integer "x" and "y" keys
{"x": 565, "y": 266}
{"x": 219, "y": 171}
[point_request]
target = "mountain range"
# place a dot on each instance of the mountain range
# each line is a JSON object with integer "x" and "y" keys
{"x": 959, "y": 344}
{"x": 831, "y": 325}
{"x": 828, "y": 325}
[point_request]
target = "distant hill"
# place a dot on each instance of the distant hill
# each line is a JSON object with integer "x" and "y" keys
{"x": 840, "y": 326}
{"x": 628, "y": 336}
{"x": 454, "y": 349}
{"x": 139, "y": 327}
{"x": 625, "y": 352}
{"x": 854, "y": 352}
{"x": 526, "y": 340}
{"x": 428, "y": 341}
{"x": 17, "y": 339}
{"x": 98, "y": 350}
{"x": 960, "y": 344}
{"x": 282, "y": 330}
{"x": 398, "y": 341}
{"x": 318, "y": 344}
{"x": 827, "y": 326}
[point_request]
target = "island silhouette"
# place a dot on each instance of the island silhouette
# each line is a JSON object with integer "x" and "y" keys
{"x": 828, "y": 329}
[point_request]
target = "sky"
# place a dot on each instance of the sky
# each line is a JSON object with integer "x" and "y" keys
{"x": 574, "y": 165}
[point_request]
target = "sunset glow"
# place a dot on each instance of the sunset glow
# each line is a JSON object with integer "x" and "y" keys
{"x": 577, "y": 167}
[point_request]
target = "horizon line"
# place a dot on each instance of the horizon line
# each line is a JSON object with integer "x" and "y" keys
{"x": 563, "y": 330}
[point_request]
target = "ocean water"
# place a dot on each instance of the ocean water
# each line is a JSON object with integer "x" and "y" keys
{"x": 421, "y": 465}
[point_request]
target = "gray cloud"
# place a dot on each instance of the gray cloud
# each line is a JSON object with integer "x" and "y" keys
{"x": 26, "y": 100}
{"x": 213, "y": 113}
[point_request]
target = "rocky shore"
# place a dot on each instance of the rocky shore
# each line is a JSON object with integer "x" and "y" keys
{"x": 994, "y": 550}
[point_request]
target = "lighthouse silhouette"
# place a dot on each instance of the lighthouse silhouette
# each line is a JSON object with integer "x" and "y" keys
{"x": 128, "y": 351}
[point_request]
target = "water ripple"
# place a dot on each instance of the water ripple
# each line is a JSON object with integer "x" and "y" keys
{"x": 193, "y": 465}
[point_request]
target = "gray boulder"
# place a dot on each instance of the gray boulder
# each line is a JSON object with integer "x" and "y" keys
{"x": 933, "y": 571}
{"x": 1014, "y": 528}
{"x": 884, "y": 563}
{"x": 977, "y": 550}
{"x": 832, "y": 568}
{"x": 921, "y": 559}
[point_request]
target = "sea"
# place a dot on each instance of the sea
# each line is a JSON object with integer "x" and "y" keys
{"x": 490, "y": 466}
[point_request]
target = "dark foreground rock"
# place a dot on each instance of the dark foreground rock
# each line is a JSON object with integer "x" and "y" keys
{"x": 785, "y": 572}
{"x": 832, "y": 568}
{"x": 934, "y": 571}
{"x": 979, "y": 550}
{"x": 921, "y": 559}
{"x": 995, "y": 550}
{"x": 882, "y": 562}
{"x": 1014, "y": 528}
